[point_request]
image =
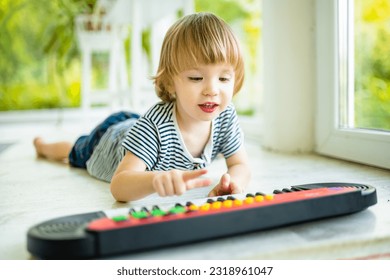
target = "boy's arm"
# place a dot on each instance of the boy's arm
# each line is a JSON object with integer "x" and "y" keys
{"x": 239, "y": 169}
{"x": 237, "y": 177}
{"x": 132, "y": 182}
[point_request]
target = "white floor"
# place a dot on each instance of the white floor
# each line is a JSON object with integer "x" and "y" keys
{"x": 34, "y": 190}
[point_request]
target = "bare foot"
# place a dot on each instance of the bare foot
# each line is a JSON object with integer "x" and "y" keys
{"x": 38, "y": 142}
{"x": 58, "y": 151}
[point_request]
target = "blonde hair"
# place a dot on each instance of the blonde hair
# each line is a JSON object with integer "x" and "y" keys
{"x": 200, "y": 38}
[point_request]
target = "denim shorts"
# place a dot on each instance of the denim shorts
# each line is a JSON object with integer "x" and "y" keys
{"x": 85, "y": 145}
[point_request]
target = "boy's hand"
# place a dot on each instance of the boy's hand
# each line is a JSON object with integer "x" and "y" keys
{"x": 225, "y": 186}
{"x": 176, "y": 182}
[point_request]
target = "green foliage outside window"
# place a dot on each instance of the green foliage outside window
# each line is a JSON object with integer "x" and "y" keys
{"x": 372, "y": 64}
{"x": 40, "y": 63}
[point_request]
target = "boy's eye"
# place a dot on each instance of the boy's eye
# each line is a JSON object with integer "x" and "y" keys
{"x": 196, "y": 79}
{"x": 223, "y": 79}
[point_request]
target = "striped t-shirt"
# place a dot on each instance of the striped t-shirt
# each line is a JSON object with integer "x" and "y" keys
{"x": 156, "y": 139}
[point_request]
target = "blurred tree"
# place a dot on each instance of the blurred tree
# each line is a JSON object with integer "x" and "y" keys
{"x": 372, "y": 64}
{"x": 38, "y": 49}
{"x": 40, "y": 65}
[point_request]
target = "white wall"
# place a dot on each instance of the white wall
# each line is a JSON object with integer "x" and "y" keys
{"x": 289, "y": 75}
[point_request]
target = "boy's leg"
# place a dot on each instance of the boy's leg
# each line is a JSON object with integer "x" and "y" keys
{"x": 85, "y": 145}
{"x": 58, "y": 151}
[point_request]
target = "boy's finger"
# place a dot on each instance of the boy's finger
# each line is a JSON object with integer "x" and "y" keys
{"x": 192, "y": 174}
{"x": 159, "y": 188}
{"x": 198, "y": 183}
{"x": 179, "y": 185}
{"x": 212, "y": 193}
{"x": 225, "y": 181}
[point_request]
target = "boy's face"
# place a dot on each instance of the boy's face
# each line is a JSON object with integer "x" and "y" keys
{"x": 203, "y": 92}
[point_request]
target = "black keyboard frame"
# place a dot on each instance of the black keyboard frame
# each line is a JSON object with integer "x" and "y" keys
{"x": 68, "y": 238}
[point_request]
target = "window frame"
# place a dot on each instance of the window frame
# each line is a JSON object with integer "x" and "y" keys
{"x": 332, "y": 139}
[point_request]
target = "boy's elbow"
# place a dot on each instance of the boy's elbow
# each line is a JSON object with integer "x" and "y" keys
{"x": 115, "y": 195}
{"x": 118, "y": 196}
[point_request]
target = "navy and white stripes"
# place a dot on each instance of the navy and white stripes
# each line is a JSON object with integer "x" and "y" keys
{"x": 109, "y": 152}
{"x": 156, "y": 140}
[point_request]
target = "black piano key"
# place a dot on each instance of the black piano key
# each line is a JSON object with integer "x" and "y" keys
{"x": 299, "y": 188}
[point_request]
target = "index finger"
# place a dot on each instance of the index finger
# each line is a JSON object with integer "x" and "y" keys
{"x": 193, "y": 174}
{"x": 198, "y": 183}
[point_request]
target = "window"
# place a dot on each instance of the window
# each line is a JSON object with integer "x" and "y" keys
{"x": 41, "y": 67}
{"x": 372, "y": 64}
{"x": 352, "y": 123}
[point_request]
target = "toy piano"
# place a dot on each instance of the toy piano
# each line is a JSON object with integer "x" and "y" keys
{"x": 119, "y": 231}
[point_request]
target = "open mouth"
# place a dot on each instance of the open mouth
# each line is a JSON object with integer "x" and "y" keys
{"x": 208, "y": 107}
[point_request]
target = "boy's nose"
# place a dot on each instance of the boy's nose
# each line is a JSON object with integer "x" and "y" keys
{"x": 210, "y": 93}
{"x": 211, "y": 89}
